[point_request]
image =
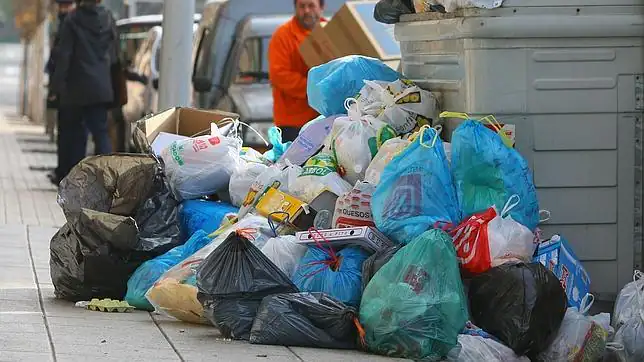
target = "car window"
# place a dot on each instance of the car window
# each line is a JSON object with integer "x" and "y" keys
{"x": 253, "y": 61}
{"x": 131, "y": 38}
{"x": 204, "y": 45}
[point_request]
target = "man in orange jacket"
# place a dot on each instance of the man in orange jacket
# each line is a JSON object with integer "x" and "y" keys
{"x": 287, "y": 70}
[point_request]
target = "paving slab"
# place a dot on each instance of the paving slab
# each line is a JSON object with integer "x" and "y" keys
{"x": 8, "y": 356}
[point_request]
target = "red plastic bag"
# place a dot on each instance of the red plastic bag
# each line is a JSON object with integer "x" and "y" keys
{"x": 472, "y": 243}
{"x": 488, "y": 239}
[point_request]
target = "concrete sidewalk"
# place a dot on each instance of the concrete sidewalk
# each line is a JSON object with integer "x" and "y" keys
{"x": 34, "y": 326}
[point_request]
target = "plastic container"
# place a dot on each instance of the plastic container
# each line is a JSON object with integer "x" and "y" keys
{"x": 569, "y": 74}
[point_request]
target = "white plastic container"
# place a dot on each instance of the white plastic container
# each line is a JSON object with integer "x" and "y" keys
{"x": 570, "y": 76}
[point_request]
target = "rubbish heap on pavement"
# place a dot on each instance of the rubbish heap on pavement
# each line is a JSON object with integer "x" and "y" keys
{"x": 369, "y": 231}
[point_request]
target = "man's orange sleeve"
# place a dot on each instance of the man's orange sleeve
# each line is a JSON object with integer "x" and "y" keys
{"x": 280, "y": 71}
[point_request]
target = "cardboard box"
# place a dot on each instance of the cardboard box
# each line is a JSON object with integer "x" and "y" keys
{"x": 351, "y": 31}
{"x": 317, "y": 48}
{"x": 557, "y": 255}
{"x": 179, "y": 121}
{"x": 368, "y": 238}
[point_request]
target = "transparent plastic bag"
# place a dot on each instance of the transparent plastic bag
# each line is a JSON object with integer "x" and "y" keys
{"x": 628, "y": 320}
{"x": 401, "y": 104}
{"x": 175, "y": 293}
{"x": 480, "y": 349}
{"x": 579, "y": 337}
{"x": 201, "y": 166}
{"x": 355, "y": 145}
{"x": 487, "y": 172}
{"x": 414, "y": 306}
{"x": 284, "y": 252}
{"x": 275, "y": 176}
{"x": 242, "y": 179}
{"x": 319, "y": 174}
{"x": 630, "y": 301}
{"x": 385, "y": 154}
{"x": 416, "y": 190}
{"x": 149, "y": 272}
{"x": 353, "y": 209}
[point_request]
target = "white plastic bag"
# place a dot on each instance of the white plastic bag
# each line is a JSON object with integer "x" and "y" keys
{"x": 284, "y": 252}
{"x": 505, "y": 240}
{"x": 353, "y": 209}
{"x": 628, "y": 319}
{"x": 201, "y": 166}
{"x": 580, "y": 338}
{"x": 353, "y": 148}
{"x": 319, "y": 174}
{"x": 242, "y": 179}
{"x": 509, "y": 240}
{"x": 630, "y": 301}
{"x": 479, "y": 349}
{"x": 385, "y": 154}
{"x": 401, "y": 104}
{"x": 175, "y": 293}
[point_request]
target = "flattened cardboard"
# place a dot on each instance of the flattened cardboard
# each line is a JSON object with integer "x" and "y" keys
{"x": 318, "y": 48}
{"x": 345, "y": 34}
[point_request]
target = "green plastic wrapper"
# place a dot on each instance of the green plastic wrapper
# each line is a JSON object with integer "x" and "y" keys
{"x": 414, "y": 307}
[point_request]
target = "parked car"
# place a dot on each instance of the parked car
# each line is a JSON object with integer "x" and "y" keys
{"x": 143, "y": 94}
{"x": 133, "y": 33}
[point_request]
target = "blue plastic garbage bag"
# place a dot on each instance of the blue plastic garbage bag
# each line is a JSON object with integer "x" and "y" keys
{"x": 149, "y": 272}
{"x": 330, "y": 84}
{"x": 487, "y": 173}
{"x": 338, "y": 274}
{"x": 203, "y": 215}
{"x": 279, "y": 148}
{"x": 416, "y": 190}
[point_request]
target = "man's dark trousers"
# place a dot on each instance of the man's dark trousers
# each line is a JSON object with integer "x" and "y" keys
{"x": 74, "y": 123}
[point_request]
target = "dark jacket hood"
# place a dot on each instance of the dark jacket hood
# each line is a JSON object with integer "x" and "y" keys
{"x": 94, "y": 23}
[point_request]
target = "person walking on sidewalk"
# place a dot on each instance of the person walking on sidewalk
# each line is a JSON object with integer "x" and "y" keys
{"x": 287, "y": 70}
{"x": 82, "y": 80}
{"x": 64, "y": 8}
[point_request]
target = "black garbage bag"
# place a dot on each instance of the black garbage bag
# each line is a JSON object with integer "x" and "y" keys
{"x": 93, "y": 257}
{"x": 120, "y": 213}
{"x": 125, "y": 185}
{"x": 305, "y": 320}
{"x": 158, "y": 219}
{"x": 232, "y": 282}
{"x": 522, "y": 305}
{"x": 375, "y": 262}
{"x": 116, "y": 184}
{"x": 389, "y": 11}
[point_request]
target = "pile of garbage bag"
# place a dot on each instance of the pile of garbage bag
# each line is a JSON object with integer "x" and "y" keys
{"x": 120, "y": 213}
{"x": 370, "y": 230}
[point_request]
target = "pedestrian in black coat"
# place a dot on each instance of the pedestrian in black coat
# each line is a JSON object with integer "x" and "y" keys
{"x": 87, "y": 50}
